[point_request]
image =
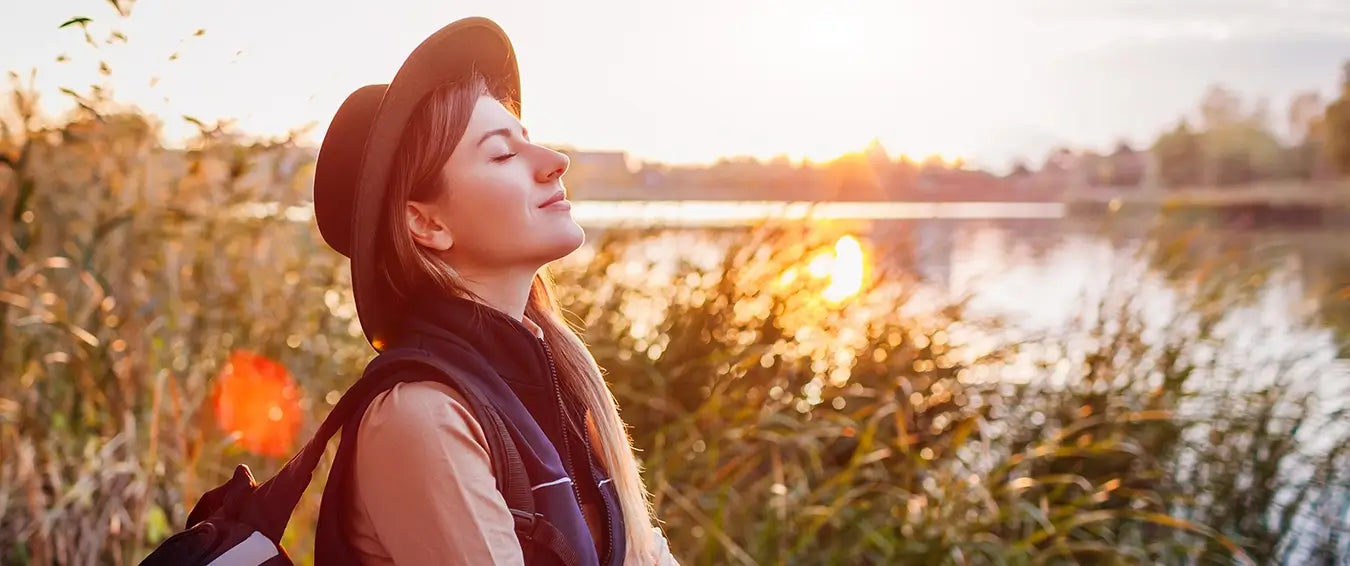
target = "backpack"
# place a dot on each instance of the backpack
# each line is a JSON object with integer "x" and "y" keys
{"x": 240, "y": 523}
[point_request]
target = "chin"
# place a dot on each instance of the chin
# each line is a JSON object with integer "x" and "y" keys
{"x": 565, "y": 242}
{"x": 576, "y": 239}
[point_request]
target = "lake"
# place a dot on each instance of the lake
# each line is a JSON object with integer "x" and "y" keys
{"x": 1034, "y": 262}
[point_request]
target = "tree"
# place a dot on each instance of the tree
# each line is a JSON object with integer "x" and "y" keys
{"x": 1179, "y": 156}
{"x": 1096, "y": 169}
{"x": 852, "y": 177}
{"x": 1305, "y": 110}
{"x": 1337, "y": 124}
{"x": 1059, "y": 160}
{"x": 1126, "y": 167}
{"x": 904, "y": 174}
{"x": 1244, "y": 153}
{"x": 1305, "y": 158}
{"x": 1220, "y": 108}
{"x": 1236, "y": 144}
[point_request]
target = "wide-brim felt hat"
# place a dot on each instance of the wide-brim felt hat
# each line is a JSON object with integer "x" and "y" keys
{"x": 359, "y": 148}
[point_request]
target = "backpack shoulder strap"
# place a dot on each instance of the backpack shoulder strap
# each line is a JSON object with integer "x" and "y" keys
{"x": 283, "y": 491}
{"x": 508, "y": 466}
{"x": 275, "y": 500}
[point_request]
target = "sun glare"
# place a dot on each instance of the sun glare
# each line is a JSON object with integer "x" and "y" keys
{"x": 821, "y": 266}
{"x": 843, "y": 267}
{"x": 846, "y": 273}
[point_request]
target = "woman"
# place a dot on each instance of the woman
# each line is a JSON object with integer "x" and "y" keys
{"x": 450, "y": 214}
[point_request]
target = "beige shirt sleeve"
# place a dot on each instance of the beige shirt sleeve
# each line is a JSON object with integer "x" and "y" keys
{"x": 663, "y": 555}
{"x": 424, "y": 483}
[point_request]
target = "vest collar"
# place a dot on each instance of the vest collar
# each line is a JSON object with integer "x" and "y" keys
{"x": 513, "y": 347}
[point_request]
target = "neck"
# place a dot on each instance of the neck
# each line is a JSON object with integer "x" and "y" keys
{"x": 506, "y": 291}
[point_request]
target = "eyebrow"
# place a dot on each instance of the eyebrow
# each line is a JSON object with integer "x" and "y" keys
{"x": 504, "y": 132}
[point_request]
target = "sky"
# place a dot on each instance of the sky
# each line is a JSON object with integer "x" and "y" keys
{"x": 694, "y": 80}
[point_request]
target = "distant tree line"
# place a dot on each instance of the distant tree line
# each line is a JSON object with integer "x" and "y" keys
{"x": 1230, "y": 142}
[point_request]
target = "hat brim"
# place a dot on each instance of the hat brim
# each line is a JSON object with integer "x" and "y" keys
{"x": 464, "y": 46}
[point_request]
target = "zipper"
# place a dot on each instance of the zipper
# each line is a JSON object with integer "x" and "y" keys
{"x": 609, "y": 520}
{"x": 562, "y": 414}
{"x": 566, "y": 421}
{"x": 604, "y": 501}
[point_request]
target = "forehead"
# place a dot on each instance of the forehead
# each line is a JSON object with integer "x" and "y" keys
{"x": 489, "y": 114}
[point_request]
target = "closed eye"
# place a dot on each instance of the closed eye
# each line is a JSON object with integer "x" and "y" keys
{"x": 501, "y": 158}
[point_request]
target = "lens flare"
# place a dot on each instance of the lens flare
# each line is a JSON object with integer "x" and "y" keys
{"x": 256, "y": 399}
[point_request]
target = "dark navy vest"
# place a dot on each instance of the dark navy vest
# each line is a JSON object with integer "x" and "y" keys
{"x": 515, "y": 372}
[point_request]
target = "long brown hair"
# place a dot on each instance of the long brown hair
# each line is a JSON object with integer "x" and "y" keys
{"x": 432, "y": 134}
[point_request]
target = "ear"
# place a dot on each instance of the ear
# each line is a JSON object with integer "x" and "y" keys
{"x": 426, "y": 228}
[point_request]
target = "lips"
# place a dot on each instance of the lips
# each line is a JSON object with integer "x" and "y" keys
{"x": 554, "y": 199}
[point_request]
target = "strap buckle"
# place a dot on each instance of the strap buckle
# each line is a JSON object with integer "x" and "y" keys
{"x": 525, "y": 522}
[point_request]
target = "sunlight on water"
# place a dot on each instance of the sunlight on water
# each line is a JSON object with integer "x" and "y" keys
{"x": 843, "y": 267}
{"x": 846, "y": 273}
{"x": 822, "y": 265}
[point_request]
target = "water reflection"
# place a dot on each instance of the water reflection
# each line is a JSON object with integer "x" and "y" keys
{"x": 1042, "y": 271}
{"x": 843, "y": 267}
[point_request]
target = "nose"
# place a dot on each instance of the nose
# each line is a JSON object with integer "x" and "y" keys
{"x": 552, "y": 165}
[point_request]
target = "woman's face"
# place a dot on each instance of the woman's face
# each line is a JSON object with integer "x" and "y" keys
{"x": 503, "y": 207}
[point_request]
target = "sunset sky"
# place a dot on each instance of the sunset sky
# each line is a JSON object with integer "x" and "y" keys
{"x": 697, "y": 79}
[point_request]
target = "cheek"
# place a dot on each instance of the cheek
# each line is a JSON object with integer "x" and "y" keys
{"x": 488, "y": 206}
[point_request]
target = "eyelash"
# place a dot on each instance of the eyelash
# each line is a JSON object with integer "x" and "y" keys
{"x": 502, "y": 158}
